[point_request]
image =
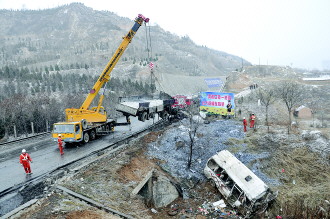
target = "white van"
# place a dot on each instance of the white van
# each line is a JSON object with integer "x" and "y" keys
{"x": 238, "y": 184}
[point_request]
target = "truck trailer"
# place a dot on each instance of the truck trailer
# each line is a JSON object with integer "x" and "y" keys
{"x": 145, "y": 109}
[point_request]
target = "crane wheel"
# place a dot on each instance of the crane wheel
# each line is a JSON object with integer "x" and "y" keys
{"x": 86, "y": 137}
{"x": 144, "y": 116}
{"x": 92, "y": 135}
{"x": 84, "y": 124}
{"x": 165, "y": 116}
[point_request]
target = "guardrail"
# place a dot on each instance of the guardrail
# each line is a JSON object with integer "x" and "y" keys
{"x": 114, "y": 145}
{"x": 23, "y": 139}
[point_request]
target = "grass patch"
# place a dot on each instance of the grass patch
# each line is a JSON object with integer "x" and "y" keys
{"x": 234, "y": 141}
{"x": 235, "y": 149}
{"x": 306, "y": 181}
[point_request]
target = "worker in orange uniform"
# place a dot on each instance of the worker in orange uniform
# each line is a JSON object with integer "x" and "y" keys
{"x": 244, "y": 124}
{"x": 252, "y": 120}
{"x": 25, "y": 160}
{"x": 60, "y": 144}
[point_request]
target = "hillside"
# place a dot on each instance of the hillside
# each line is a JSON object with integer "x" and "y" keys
{"x": 78, "y": 34}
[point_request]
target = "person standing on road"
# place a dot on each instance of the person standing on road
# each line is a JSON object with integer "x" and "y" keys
{"x": 252, "y": 120}
{"x": 244, "y": 124}
{"x": 60, "y": 144}
{"x": 25, "y": 160}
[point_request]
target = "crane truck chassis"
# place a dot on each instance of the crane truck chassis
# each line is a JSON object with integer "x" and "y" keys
{"x": 82, "y": 131}
{"x": 85, "y": 123}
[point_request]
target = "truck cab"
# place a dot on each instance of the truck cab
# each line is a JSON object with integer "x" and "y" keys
{"x": 181, "y": 101}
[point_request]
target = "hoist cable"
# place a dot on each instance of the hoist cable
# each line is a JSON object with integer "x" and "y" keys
{"x": 148, "y": 38}
{"x": 147, "y": 41}
{"x": 150, "y": 42}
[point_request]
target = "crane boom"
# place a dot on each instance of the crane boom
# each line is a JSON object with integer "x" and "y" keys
{"x": 105, "y": 76}
{"x": 95, "y": 114}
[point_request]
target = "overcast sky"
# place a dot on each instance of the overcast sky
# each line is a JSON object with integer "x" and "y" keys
{"x": 275, "y": 32}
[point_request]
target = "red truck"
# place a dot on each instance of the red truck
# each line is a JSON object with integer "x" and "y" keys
{"x": 182, "y": 101}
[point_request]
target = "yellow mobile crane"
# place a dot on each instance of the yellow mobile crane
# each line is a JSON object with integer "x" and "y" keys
{"x": 85, "y": 123}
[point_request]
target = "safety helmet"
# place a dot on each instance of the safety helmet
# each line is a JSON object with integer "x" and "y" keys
{"x": 59, "y": 135}
{"x": 23, "y": 151}
{"x": 243, "y": 117}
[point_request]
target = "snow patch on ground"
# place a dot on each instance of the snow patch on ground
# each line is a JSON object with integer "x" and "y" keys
{"x": 316, "y": 142}
{"x": 173, "y": 148}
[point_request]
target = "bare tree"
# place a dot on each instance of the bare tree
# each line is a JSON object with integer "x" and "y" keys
{"x": 292, "y": 94}
{"x": 6, "y": 116}
{"x": 267, "y": 96}
{"x": 193, "y": 125}
{"x": 315, "y": 103}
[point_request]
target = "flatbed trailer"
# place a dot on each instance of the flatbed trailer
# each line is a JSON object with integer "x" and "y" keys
{"x": 145, "y": 109}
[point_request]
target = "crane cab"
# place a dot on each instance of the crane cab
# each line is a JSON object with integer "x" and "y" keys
{"x": 71, "y": 131}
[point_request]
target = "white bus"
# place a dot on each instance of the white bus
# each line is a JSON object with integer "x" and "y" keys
{"x": 238, "y": 184}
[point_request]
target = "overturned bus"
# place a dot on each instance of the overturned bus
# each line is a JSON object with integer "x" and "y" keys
{"x": 241, "y": 188}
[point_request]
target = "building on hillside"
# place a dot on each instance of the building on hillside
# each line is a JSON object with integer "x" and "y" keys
{"x": 303, "y": 112}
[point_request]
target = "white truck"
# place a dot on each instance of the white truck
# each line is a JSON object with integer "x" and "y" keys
{"x": 145, "y": 109}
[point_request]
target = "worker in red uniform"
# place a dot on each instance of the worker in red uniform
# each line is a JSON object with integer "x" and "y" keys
{"x": 252, "y": 120}
{"x": 244, "y": 124}
{"x": 25, "y": 160}
{"x": 60, "y": 144}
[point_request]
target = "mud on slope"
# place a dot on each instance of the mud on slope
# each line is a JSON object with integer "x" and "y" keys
{"x": 62, "y": 206}
{"x": 111, "y": 179}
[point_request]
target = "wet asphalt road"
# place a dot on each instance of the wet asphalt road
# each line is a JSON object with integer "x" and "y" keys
{"x": 48, "y": 158}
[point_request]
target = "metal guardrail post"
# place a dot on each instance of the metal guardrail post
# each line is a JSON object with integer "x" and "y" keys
{"x": 46, "y": 125}
{"x": 15, "y": 132}
{"x": 32, "y": 128}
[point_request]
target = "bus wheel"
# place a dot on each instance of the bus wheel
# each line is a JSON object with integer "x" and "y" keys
{"x": 213, "y": 184}
{"x": 86, "y": 137}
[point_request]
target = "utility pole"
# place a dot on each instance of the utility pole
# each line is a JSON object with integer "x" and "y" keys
{"x": 259, "y": 66}
{"x": 242, "y": 64}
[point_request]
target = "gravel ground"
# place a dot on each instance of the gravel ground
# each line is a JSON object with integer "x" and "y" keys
{"x": 210, "y": 139}
{"x": 110, "y": 180}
